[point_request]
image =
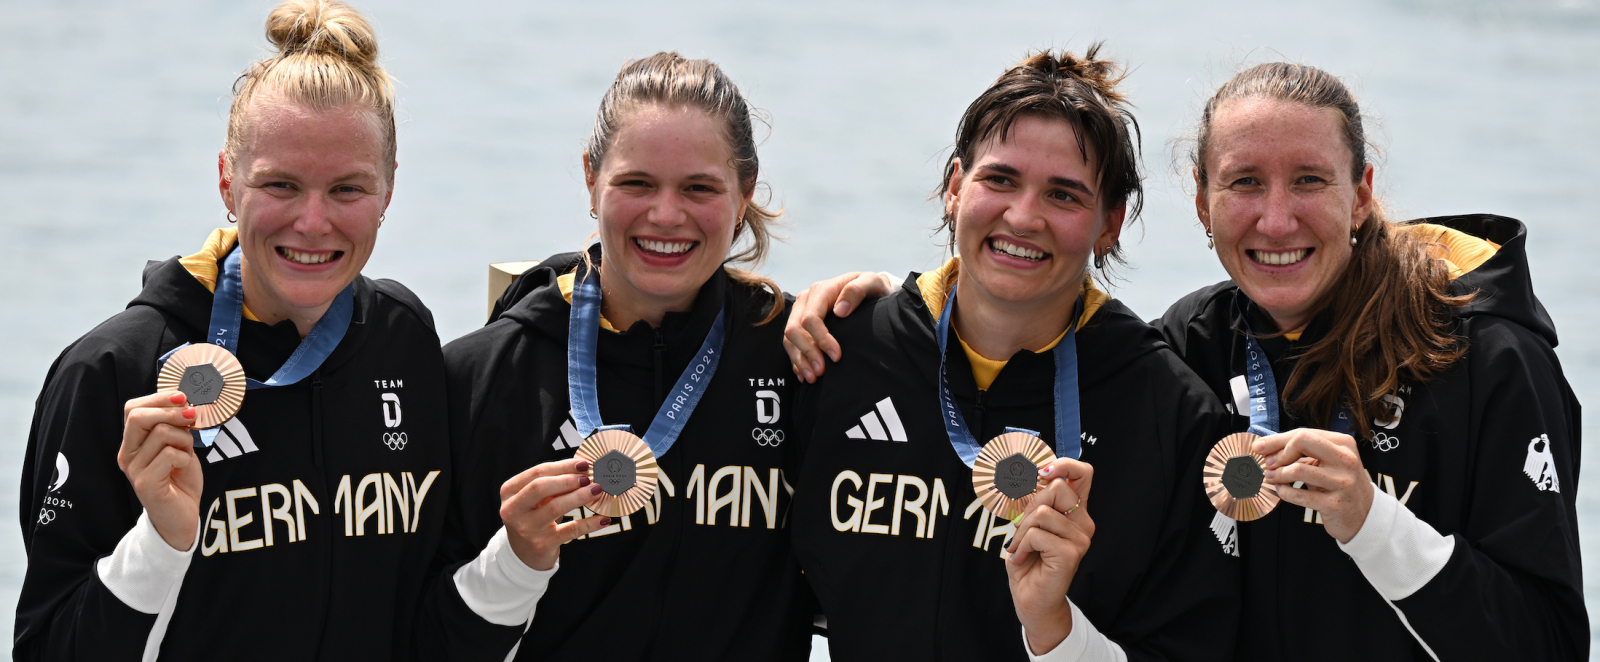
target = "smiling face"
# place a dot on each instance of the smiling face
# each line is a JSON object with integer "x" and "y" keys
{"x": 1035, "y": 182}
{"x": 309, "y": 188}
{"x": 1282, "y": 202}
{"x": 668, "y": 199}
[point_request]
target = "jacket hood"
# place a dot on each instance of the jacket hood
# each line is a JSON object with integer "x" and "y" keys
{"x": 182, "y": 287}
{"x": 537, "y": 301}
{"x": 1502, "y": 283}
{"x": 1109, "y": 336}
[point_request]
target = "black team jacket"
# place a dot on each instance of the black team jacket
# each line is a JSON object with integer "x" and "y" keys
{"x": 1486, "y": 454}
{"x": 908, "y": 565}
{"x": 705, "y": 571}
{"x": 323, "y": 500}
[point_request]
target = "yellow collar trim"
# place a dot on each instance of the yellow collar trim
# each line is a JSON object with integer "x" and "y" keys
{"x": 203, "y": 265}
{"x": 566, "y": 283}
{"x": 1460, "y": 252}
{"x": 935, "y": 286}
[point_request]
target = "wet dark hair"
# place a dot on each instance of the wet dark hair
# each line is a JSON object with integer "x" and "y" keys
{"x": 1080, "y": 91}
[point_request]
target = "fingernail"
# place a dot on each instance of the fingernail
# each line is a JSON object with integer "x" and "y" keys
{"x": 834, "y": 354}
{"x": 806, "y": 375}
{"x": 583, "y": 465}
{"x": 1046, "y": 471}
{"x": 1272, "y": 459}
{"x": 842, "y": 308}
{"x": 584, "y": 481}
{"x": 605, "y": 522}
{"x": 816, "y": 366}
{"x": 177, "y": 398}
{"x": 1270, "y": 473}
{"x": 188, "y": 412}
{"x": 595, "y": 489}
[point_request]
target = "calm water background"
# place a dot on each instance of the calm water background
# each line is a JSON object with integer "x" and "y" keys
{"x": 111, "y": 114}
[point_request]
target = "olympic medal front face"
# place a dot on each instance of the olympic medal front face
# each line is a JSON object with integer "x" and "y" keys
{"x": 211, "y": 379}
{"x": 624, "y": 468}
{"x": 1006, "y": 473}
{"x": 1235, "y": 481}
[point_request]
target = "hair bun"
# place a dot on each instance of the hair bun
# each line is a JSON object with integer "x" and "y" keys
{"x": 1101, "y": 75}
{"x": 322, "y": 26}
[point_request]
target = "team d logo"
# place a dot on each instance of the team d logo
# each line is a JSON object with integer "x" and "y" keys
{"x": 767, "y": 407}
{"x": 394, "y": 439}
{"x": 1540, "y": 467}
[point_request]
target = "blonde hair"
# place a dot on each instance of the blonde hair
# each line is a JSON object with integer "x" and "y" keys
{"x": 674, "y": 81}
{"x": 327, "y": 58}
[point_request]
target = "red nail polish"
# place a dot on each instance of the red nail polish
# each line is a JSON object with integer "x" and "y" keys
{"x": 584, "y": 481}
{"x": 605, "y": 522}
{"x": 595, "y": 489}
{"x": 177, "y": 398}
{"x": 188, "y": 412}
{"x": 583, "y": 465}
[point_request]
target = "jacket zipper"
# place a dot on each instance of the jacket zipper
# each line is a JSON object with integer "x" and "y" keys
{"x": 660, "y": 351}
{"x": 316, "y": 416}
{"x": 977, "y": 416}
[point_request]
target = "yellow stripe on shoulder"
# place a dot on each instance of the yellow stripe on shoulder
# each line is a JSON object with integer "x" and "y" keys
{"x": 203, "y": 265}
{"x": 566, "y": 282}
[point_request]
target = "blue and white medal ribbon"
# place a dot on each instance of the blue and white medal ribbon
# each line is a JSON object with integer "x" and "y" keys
{"x": 583, "y": 340}
{"x": 227, "y": 309}
{"x": 1261, "y": 390}
{"x": 1069, "y": 442}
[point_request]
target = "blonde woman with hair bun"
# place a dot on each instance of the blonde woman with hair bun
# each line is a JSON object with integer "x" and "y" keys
{"x": 303, "y": 526}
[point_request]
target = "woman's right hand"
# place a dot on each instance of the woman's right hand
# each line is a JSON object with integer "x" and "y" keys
{"x": 533, "y": 502}
{"x": 806, "y": 337}
{"x": 158, "y": 457}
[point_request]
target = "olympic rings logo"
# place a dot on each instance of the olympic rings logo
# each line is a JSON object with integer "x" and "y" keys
{"x": 394, "y": 440}
{"x": 767, "y": 436}
{"x": 1384, "y": 442}
{"x": 46, "y": 515}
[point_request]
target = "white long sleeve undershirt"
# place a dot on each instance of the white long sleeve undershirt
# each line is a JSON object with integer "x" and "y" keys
{"x": 1084, "y": 643}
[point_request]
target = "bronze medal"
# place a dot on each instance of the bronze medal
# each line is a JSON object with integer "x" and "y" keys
{"x": 1235, "y": 481}
{"x": 210, "y": 377}
{"x": 624, "y": 468}
{"x": 1006, "y": 473}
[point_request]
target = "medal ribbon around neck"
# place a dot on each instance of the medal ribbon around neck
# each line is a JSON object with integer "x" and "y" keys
{"x": 227, "y": 309}
{"x": 1262, "y": 391}
{"x": 1069, "y": 442}
{"x": 583, "y": 340}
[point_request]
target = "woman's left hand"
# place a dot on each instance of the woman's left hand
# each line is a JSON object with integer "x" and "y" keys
{"x": 1329, "y": 463}
{"x": 1045, "y": 551}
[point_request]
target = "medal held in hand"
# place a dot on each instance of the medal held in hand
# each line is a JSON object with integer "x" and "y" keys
{"x": 1006, "y": 473}
{"x": 624, "y": 468}
{"x": 210, "y": 377}
{"x": 1235, "y": 481}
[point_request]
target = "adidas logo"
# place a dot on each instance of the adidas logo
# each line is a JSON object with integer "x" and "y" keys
{"x": 568, "y": 437}
{"x": 880, "y": 429}
{"x": 232, "y": 441}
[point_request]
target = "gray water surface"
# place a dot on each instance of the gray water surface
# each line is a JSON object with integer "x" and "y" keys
{"x": 111, "y": 115}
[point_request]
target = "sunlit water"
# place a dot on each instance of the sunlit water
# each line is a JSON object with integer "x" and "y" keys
{"x": 111, "y": 115}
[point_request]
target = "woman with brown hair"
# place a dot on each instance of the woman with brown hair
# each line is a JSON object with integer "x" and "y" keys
{"x": 1012, "y": 343}
{"x": 1429, "y": 449}
{"x": 651, "y": 340}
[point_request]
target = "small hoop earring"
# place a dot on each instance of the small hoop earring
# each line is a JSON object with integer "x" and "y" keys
{"x": 593, "y": 215}
{"x": 1211, "y": 242}
{"x": 1099, "y": 260}
{"x": 381, "y": 217}
{"x": 1019, "y": 234}
{"x": 229, "y": 215}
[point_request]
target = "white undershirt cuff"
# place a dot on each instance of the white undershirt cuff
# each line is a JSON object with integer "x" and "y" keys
{"x": 1083, "y": 644}
{"x": 499, "y": 587}
{"x": 144, "y": 571}
{"x": 1398, "y": 553}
